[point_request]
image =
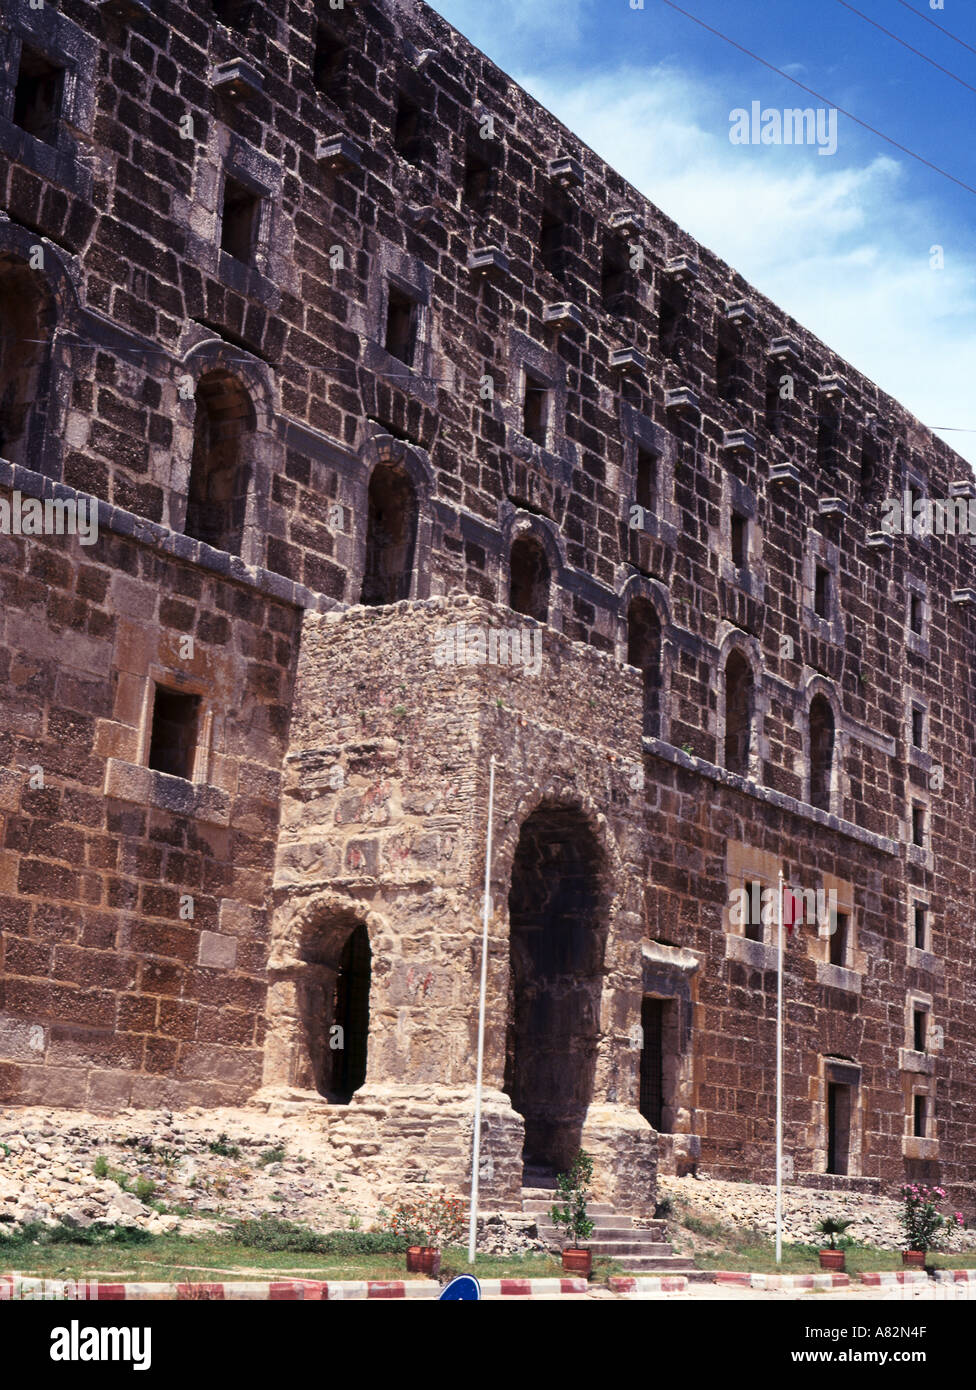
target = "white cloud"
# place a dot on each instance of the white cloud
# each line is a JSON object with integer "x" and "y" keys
{"x": 547, "y": 24}
{"x": 843, "y": 246}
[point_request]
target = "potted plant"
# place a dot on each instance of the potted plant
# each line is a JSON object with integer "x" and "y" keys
{"x": 571, "y": 1213}
{"x": 831, "y": 1227}
{"x": 924, "y": 1224}
{"x": 404, "y": 1221}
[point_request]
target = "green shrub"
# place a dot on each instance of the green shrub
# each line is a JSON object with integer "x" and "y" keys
{"x": 268, "y": 1156}
{"x": 100, "y": 1166}
{"x": 275, "y": 1234}
{"x": 223, "y": 1148}
{"x": 36, "y": 1233}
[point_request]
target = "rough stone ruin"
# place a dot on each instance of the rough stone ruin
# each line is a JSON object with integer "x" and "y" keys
{"x": 416, "y": 436}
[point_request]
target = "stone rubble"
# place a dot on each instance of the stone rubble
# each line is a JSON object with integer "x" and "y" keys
{"x": 876, "y": 1219}
{"x": 48, "y": 1156}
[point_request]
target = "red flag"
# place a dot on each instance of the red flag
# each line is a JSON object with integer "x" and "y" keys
{"x": 792, "y": 909}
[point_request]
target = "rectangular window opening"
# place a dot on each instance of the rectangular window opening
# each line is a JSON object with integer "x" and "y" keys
{"x": 173, "y": 741}
{"x": 740, "y": 540}
{"x": 839, "y": 1109}
{"x": 239, "y": 221}
{"x": 918, "y": 825}
{"x": 478, "y": 180}
{"x": 727, "y": 366}
{"x": 406, "y": 129}
{"x": 753, "y": 915}
{"x": 920, "y": 1116}
{"x": 535, "y": 413}
{"x": 916, "y": 612}
{"x": 647, "y": 481}
{"x": 918, "y": 726}
{"x": 37, "y": 95}
{"x": 921, "y": 927}
{"x": 821, "y": 593}
{"x": 839, "y": 938}
{"x": 670, "y": 318}
{"x": 920, "y": 1026}
{"x": 613, "y": 278}
{"x": 329, "y": 63}
{"x": 401, "y": 326}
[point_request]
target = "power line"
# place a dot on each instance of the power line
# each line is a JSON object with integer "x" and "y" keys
{"x": 820, "y": 97}
{"x": 941, "y": 27}
{"x": 917, "y": 51}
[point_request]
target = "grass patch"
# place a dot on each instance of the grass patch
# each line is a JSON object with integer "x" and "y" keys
{"x": 269, "y": 1156}
{"x": 272, "y": 1233}
{"x": 178, "y": 1259}
{"x": 223, "y": 1147}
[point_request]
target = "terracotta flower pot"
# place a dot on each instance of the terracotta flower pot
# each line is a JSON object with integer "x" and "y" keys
{"x": 430, "y": 1261}
{"x": 413, "y": 1259}
{"x": 578, "y": 1262}
{"x": 913, "y": 1259}
{"x": 832, "y": 1259}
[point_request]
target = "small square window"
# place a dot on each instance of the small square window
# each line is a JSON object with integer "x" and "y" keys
{"x": 920, "y": 1116}
{"x": 920, "y": 1024}
{"x": 173, "y": 742}
{"x": 401, "y": 326}
{"x": 535, "y": 412}
{"x": 918, "y": 825}
{"x": 916, "y": 614}
{"x": 740, "y": 540}
{"x": 239, "y": 221}
{"x": 821, "y": 593}
{"x": 918, "y": 726}
{"x": 839, "y": 938}
{"x": 37, "y": 96}
{"x": 754, "y": 930}
{"x": 920, "y": 925}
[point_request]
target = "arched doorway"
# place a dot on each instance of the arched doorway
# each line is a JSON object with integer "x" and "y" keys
{"x": 391, "y": 536}
{"x": 333, "y": 1009}
{"x": 557, "y": 940}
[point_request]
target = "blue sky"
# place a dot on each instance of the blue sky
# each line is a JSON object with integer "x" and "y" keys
{"x": 843, "y": 242}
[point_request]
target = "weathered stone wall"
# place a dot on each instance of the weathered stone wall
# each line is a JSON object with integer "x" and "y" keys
{"x": 134, "y": 936}
{"x": 134, "y": 304}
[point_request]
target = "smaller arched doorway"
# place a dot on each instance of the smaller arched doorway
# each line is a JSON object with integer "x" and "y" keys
{"x": 332, "y": 1000}
{"x": 391, "y": 536}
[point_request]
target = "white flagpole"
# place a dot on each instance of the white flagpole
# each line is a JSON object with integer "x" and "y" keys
{"x": 779, "y": 1078}
{"x": 476, "y": 1147}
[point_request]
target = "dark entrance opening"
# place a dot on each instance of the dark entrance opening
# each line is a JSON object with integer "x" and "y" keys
{"x": 220, "y": 473}
{"x": 838, "y": 1127}
{"x": 390, "y": 536}
{"x": 652, "y": 1062}
{"x": 529, "y": 580}
{"x": 333, "y": 1009}
{"x": 173, "y": 737}
{"x": 557, "y": 940}
{"x": 352, "y": 1015}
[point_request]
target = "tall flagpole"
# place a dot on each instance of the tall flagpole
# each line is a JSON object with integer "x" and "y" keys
{"x": 476, "y": 1147}
{"x": 779, "y": 1077}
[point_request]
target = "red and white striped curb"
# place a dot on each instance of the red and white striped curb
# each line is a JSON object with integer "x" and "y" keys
{"x": 896, "y": 1276}
{"x": 955, "y": 1276}
{"x": 532, "y": 1288}
{"x": 18, "y": 1287}
{"x": 649, "y": 1283}
{"x": 783, "y": 1281}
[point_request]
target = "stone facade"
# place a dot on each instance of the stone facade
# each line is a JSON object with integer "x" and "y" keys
{"x": 359, "y": 351}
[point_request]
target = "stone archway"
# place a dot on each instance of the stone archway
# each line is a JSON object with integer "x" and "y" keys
{"x": 319, "y": 1000}
{"x": 558, "y": 933}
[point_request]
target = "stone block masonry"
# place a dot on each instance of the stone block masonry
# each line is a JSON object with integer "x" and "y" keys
{"x": 353, "y": 342}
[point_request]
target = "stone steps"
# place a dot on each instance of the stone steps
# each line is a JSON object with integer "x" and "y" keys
{"x": 638, "y": 1249}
